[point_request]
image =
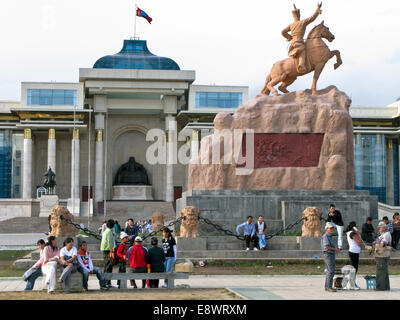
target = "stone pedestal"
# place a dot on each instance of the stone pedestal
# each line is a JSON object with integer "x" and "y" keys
{"x": 132, "y": 192}
{"x": 47, "y": 202}
{"x": 280, "y": 208}
{"x": 307, "y": 243}
{"x": 191, "y": 244}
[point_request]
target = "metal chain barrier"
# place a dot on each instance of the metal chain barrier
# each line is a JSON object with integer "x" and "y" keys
{"x": 219, "y": 228}
{"x": 162, "y": 228}
{"x": 207, "y": 221}
{"x": 77, "y": 226}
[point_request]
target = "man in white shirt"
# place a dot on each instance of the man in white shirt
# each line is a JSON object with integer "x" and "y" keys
{"x": 35, "y": 271}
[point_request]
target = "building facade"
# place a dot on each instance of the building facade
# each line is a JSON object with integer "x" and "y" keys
{"x": 85, "y": 131}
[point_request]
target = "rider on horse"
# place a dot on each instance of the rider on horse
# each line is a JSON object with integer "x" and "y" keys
{"x": 297, "y": 49}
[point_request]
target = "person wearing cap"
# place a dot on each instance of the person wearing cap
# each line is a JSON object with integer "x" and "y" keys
{"x": 122, "y": 253}
{"x": 382, "y": 272}
{"x": 335, "y": 217}
{"x": 85, "y": 266}
{"x": 328, "y": 247}
{"x": 170, "y": 251}
{"x": 138, "y": 257}
{"x": 156, "y": 261}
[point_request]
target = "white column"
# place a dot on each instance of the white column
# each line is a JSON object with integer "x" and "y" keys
{"x": 75, "y": 200}
{"x": 99, "y": 168}
{"x": 194, "y": 144}
{"x": 170, "y": 127}
{"x": 27, "y": 178}
{"x": 51, "y": 150}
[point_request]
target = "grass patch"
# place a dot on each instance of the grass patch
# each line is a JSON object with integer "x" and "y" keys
{"x": 11, "y": 255}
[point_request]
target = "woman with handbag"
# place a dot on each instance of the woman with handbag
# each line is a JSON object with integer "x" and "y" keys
{"x": 382, "y": 256}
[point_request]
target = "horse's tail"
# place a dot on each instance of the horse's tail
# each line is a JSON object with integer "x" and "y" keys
{"x": 265, "y": 90}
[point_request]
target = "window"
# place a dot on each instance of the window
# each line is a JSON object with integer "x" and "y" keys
{"x": 48, "y": 97}
{"x": 218, "y": 99}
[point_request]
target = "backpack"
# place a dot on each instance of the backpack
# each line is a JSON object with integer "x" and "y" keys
{"x": 114, "y": 257}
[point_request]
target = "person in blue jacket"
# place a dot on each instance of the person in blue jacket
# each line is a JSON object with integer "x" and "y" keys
{"x": 249, "y": 232}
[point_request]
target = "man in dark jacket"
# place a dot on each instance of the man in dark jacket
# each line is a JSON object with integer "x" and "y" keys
{"x": 156, "y": 261}
{"x": 132, "y": 231}
{"x": 335, "y": 217}
{"x": 367, "y": 231}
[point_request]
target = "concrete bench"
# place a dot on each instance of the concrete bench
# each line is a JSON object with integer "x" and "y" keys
{"x": 124, "y": 277}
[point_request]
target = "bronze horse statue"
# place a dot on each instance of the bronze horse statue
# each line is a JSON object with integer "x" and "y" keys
{"x": 317, "y": 53}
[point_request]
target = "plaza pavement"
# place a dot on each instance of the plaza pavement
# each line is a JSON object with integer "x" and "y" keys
{"x": 291, "y": 287}
{"x": 20, "y": 241}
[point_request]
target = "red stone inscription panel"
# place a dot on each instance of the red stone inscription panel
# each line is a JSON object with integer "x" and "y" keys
{"x": 285, "y": 149}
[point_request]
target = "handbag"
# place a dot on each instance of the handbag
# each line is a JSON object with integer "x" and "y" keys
{"x": 382, "y": 251}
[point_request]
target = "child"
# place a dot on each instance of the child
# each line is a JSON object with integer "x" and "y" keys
{"x": 121, "y": 253}
{"x": 86, "y": 267}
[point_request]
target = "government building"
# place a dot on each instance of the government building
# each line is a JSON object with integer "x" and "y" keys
{"x": 87, "y": 131}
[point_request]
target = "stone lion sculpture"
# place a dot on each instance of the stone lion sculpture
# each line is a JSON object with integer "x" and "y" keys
{"x": 312, "y": 222}
{"x": 190, "y": 222}
{"x": 157, "y": 221}
{"x": 60, "y": 227}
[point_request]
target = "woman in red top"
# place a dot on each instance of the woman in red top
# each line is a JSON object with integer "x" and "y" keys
{"x": 121, "y": 253}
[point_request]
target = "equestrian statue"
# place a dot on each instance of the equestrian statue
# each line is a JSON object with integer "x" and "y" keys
{"x": 304, "y": 57}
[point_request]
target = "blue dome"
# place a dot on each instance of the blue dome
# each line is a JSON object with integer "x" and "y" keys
{"x": 136, "y": 55}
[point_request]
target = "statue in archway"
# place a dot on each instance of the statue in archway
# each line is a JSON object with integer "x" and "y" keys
{"x": 131, "y": 173}
{"x": 49, "y": 181}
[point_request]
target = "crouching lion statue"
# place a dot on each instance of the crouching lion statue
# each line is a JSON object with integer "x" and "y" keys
{"x": 157, "y": 221}
{"x": 312, "y": 222}
{"x": 60, "y": 227}
{"x": 190, "y": 222}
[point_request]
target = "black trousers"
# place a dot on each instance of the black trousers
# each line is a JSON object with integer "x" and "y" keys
{"x": 395, "y": 238}
{"x": 354, "y": 258}
{"x": 108, "y": 266}
{"x": 139, "y": 270}
{"x": 121, "y": 269}
{"x": 154, "y": 283}
{"x": 249, "y": 239}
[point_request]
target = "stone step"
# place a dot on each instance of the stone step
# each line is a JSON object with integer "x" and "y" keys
{"x": 266, "y": 254}
{"x": 242, "y": 245}
{"x": 231, "y": 239}
{"x": 231, "y": 224}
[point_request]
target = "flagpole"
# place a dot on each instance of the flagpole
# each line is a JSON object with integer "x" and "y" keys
{"x": 134, "y": 37}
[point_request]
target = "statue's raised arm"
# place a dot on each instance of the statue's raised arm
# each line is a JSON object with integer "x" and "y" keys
{"x": 315, "y": 15}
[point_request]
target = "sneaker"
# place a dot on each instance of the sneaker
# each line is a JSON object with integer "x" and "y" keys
{"x": 255, "y": 249}
{"x": 104, "y": 288}
{"x": 330, "y": 289}
{"x": 51, "y": 292}
{"x": 247, "y": 249}
{"x": 110, "y": 286}
{"x": 85, "y": 289}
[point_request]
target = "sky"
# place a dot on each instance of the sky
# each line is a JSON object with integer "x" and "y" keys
{"x": 227, "y": 42}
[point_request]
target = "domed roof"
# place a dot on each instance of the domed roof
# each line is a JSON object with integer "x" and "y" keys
{"x": 136, "y": 55}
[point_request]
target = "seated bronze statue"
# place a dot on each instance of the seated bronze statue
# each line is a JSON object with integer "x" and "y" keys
{"x": 131, "y": 173}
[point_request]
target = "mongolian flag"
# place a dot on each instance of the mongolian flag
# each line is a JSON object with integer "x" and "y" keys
{"x": 141, "y": 13}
